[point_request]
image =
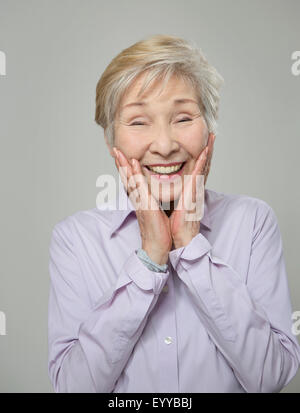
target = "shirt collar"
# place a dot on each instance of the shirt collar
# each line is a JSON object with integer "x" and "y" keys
{"x": 126, "y": 209}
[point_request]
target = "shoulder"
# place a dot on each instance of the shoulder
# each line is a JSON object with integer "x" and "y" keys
{"x": 235, "y": 200}
{"x": 83, "y": 222}
{"x": 239, "y": 207}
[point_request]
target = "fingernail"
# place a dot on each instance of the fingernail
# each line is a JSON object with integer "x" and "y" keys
{"x": 115, "y": 151}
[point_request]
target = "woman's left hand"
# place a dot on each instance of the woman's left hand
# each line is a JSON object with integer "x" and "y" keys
{"x": 185, "y": 223}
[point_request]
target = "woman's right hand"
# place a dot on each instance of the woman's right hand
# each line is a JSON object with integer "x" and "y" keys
{"x": 153, "y": 222}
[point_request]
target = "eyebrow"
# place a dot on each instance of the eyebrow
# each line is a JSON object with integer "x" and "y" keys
{"x": 175, "y": 102}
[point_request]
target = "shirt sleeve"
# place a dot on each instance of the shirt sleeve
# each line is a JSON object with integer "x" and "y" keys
{"x": 249, "y": 322}
{"x": 89, "y": 347}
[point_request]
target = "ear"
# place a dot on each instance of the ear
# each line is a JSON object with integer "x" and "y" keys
{"x": 109, "y": 146}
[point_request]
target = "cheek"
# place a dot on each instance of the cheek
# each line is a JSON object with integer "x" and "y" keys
{"x": 129, "y": 145}
{"x": 194, "y": 142}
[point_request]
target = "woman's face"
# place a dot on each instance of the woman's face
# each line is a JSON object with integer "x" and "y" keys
{"x": 164, "y": 132}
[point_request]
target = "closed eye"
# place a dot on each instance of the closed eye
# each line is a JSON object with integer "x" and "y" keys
{"x": 136, "y": 124}
{"x": 141, "y": 123}
{"x": 184, "y": 120}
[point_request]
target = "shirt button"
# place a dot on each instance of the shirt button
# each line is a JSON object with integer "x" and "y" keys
{"x": 166, "y": 288}
{"x": 168, "y": 340}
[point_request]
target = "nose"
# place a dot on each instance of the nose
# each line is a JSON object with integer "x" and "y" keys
{"x": 162, "y": 142}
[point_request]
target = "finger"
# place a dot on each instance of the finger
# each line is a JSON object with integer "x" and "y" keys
{"x": 121, "y": 172}
{"x": 195, "y": 191}
{"x": 201, "y": 168}
{"x": 147, "y": 200}
{"x": 201, "y": 161}
{"x": 124, "y": 163}
{"x": 137, "y": 198}
{"x": 210, "y": 145}
{"x": 137, "y": 172}
{"x": 125, "y": 171}
{"x": 210, "y": 152}
{"x": 207, "y": 166}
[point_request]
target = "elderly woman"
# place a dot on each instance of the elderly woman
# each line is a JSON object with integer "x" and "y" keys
{"x": 144, "y": 299}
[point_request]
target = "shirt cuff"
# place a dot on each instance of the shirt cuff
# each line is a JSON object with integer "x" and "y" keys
{"x": 135, "y": 270}
{"x": 153, "y": 266}
{"x": 198, "y": 247}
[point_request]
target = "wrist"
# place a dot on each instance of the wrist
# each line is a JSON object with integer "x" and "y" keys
{"x": 153, "y": 266}
{"x": 181, "y": 242}
{"x": 183, "y": 239}
{"x": 158, "y": 257}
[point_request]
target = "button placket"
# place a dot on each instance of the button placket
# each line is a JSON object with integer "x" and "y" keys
{"x": 165, "y": 326}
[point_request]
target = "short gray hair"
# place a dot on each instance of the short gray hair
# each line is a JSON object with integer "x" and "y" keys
{"x": 161, "y": 56}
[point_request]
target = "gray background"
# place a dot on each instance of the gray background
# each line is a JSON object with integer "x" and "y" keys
{"x": 52, "y": 151}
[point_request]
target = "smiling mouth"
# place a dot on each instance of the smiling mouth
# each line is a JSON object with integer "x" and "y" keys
{"x": 166, "y": 170}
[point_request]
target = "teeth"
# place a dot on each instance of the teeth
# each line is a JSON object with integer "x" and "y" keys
{"x": 165, "y": 169}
